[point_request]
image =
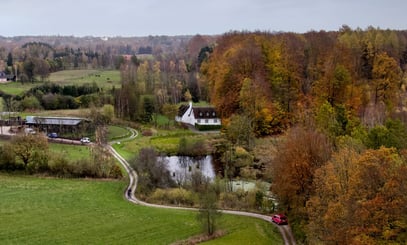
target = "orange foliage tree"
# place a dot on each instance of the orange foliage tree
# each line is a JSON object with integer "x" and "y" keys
{"x": 359, "y": 199}
{"x": 298, "y": 155}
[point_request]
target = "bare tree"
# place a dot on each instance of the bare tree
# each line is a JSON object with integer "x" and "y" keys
{"x": 208, "y": 212}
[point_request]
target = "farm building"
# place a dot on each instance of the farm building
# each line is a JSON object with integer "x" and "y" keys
{"x": 203, "y": 118}
{"x": 5, "y": 78}
{"x": 60, "y": 125}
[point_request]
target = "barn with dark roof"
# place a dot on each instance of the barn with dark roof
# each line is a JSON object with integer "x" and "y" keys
{"x": 70, "y": 125}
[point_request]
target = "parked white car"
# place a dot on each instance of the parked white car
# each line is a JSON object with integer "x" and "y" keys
{"x": 29, "y": 131}
{"x": 85, "y": 140}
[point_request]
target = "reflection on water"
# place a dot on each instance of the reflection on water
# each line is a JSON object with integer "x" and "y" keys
{"x": 182, "y": 167}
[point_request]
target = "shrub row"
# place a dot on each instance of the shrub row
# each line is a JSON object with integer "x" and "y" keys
{"x": 60, "y": 166}
{"x": 174, "y": 196}
{"x": 207, "y": 127}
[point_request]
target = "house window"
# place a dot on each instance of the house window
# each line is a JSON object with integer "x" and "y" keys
{"x": 215, "y": 120}
{"x": 213, "y": 114}
{"x": 200, "y": 114}
{"x": 199, "y": 120}
{"x": 206, "y": 121}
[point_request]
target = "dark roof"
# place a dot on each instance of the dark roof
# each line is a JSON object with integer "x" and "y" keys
{"x": 205, "y": 112}
{"x": 69, "y": 121}
{"x": 182, "y": 109}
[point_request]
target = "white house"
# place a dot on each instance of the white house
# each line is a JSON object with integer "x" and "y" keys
{"x": 198, "y": 116}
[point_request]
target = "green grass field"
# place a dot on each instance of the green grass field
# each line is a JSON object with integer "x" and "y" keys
{"x": 166, "y": 141}
{"x": 76, "y": 211}
{"x": 116, "y": 132}
{"x": 72, "y": 152}
{"x": 103, "y": 78}
{"x": 16, "y": 88}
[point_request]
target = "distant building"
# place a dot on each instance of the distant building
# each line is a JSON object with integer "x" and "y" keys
{"x": 3, "y": 77}
{"x": 71, "y": 125}
{"x": 203, "y": 118}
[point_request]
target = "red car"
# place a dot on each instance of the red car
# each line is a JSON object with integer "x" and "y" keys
{"x": 279, "y": 219}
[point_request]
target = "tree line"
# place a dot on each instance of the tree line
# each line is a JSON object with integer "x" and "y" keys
{"x": 30, "y": 154}
{"x": 361, "y": 72}
{"x": 52, "y": 96}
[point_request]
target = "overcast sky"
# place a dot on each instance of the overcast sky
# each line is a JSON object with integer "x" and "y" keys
{"x": 179, "y": 17}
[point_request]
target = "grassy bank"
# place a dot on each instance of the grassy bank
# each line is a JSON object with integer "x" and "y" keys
{"x": 54, "y": 211}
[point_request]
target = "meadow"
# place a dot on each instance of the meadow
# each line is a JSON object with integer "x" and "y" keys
{"x": 75, "y": 152}
{"x": 164, "y": 141}
{"x": 116, "y": 132}
{"x": 105, "y": 79}
{"x": 80, "y": 211}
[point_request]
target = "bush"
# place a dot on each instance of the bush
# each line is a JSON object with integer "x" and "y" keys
{"x": 173, "y": 196}
{"x": 179, "y": 196}
{"x": 188, "y": 148}
{"x": 60, "y": 167}
{"x": 228, "y": 200}
{"x": 147, "y": 132}
{"x": 7, "y": 159}
{"x": 153, "y": 173}
{"x": 241, "y": 200}
{"x": 208, "y": 127}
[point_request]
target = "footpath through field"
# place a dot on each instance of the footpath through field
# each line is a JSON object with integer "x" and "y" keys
{"x": 285, "y": 230}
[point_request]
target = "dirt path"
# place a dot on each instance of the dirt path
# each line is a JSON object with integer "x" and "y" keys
{"x": 285, "y": 230}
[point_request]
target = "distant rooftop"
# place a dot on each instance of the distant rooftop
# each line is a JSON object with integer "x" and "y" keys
{"x": 70, "y": 121}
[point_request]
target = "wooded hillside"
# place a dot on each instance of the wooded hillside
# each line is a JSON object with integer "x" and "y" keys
{"x": 358, "y": 73}
{"x": 338, "y": 99}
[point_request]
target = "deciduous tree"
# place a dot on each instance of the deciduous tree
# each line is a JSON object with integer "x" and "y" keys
{"x": 208, "y": 211}
{"x": 26, "y": 147}
{"x": 359, "y": 198}
{"x": 298, "y": 156}
{"x": 386, "y": 76}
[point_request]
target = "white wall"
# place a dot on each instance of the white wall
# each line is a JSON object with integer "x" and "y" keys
{"x": 188, "y": 116}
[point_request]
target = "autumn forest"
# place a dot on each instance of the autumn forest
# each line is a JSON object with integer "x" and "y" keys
{"x": 339, "y": 100}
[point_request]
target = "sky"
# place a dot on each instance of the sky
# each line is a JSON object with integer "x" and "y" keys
{"x": 189, "y": 17}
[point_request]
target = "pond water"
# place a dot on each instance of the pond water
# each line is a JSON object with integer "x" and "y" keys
{"x": 182, "y": 167}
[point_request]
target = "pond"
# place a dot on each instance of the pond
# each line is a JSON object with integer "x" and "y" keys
{"x": 182, "y": 167}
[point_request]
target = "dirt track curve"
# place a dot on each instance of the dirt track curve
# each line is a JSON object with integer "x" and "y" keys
{"x": 285, "y": 230}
